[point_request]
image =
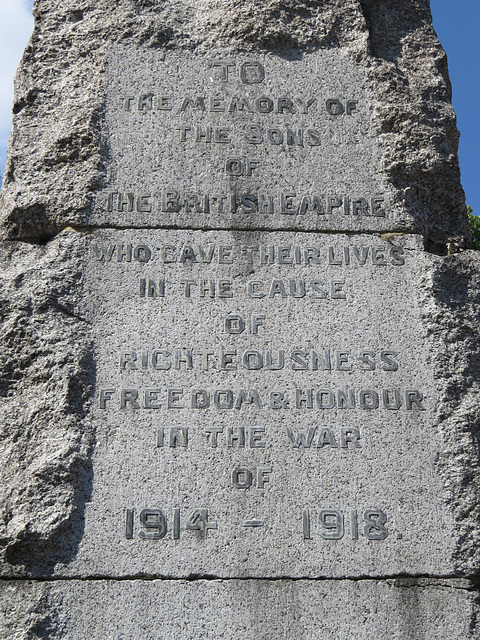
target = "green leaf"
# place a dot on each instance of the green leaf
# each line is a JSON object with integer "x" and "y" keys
{"x": 474, "y": 228}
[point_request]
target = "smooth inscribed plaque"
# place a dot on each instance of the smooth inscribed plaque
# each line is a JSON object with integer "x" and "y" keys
{"x": 264, "y": 406}
{"x": 241, "y": 141}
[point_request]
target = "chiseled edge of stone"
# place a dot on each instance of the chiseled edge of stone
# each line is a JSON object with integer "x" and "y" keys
{"x": 411, "y": 90}
{"x": 58, "y": 154}
{"x": 451, "y": 311}
{"x": 47, "y": 376}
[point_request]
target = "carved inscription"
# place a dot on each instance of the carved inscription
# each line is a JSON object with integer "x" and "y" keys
{"x": 319, "y": 288}
{"x": 332, "y": 524}
{"x": 258, "y": 378}
{"x": 230, "y": 399}
{"x": 168, "y": 200}
{"x": 219, "y": 104}
{"x": 257, "y": 438}
{"x": 294, "y": 255}
{"x": 160, "y": 360}
{"x": 245, "y": 105}
{"x": 209, "y": 146}
{"x": 152, "y": 523}
{"x": 252, "y": 359}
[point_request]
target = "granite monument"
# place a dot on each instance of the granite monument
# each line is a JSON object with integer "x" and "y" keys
{"x": 239, "y": 353}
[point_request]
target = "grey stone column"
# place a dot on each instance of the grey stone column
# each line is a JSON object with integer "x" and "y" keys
{"x": 239, "y": 353}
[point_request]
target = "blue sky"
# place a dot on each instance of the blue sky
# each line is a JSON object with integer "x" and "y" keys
{"x": 457, "y": 23}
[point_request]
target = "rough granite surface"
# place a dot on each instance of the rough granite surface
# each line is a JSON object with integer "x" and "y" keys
{"x": 53, "y": 172}
{"x": 56, "y": 335}
{"x": 47, "y": 378}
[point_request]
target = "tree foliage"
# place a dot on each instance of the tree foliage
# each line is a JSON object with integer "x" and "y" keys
{"x": 474, "y": 228}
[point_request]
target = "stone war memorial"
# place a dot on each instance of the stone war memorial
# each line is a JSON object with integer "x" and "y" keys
{"x": 239, "y": 354}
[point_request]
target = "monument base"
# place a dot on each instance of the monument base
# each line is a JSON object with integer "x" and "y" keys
{"x": 248, "y": 609}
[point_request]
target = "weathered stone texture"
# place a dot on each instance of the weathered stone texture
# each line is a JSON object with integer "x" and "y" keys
{"x": 47, "y": 377}
{"x": 417, "y": 123}
{"x": 76, "y": 475}
{"x": 452, "y": 315}
{"x": 255, "y": 610}
{"x": 344, "y": 476}
{"x": 67, "y": 156}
